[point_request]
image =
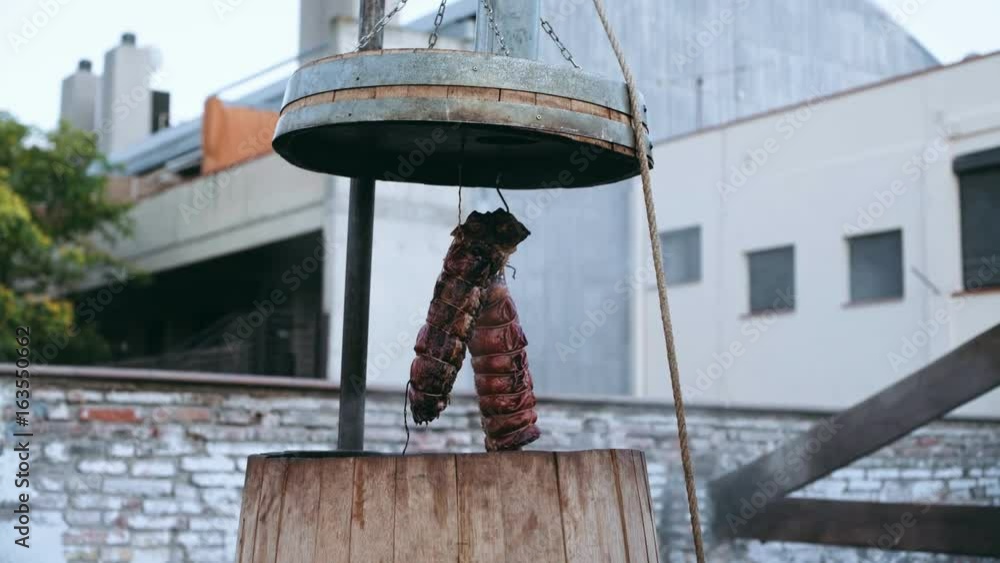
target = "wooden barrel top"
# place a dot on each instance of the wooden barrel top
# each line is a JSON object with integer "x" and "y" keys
{"x": 509, "y": 507}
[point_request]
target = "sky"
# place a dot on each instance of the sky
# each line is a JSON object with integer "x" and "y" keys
{"x": 207, "y": 44}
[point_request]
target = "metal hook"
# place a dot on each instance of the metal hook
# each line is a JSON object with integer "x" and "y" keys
{"x": 514, "y": 275}
{"x": 504, "y": 200}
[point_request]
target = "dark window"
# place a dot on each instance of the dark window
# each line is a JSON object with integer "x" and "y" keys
{"x": 772, "y": 279}
{"x": 980, "y": 208}
{"x": 876, "y": 266}
{"x": 682, "y": 255}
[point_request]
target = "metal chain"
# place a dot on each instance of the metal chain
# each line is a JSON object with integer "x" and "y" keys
{"x": 380, "y": 25}
{"x": 555, "y": 38}
{"x": 496, "y": 29}
{"x": 438, "y": 20}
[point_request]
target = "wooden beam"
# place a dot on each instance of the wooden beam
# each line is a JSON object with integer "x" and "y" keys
{"x": 965, "y": 373}
{"x": 951, "y": 529}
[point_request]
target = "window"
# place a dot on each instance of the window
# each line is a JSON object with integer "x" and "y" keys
{"x": 682, "y": 255}
{"x": 772, "y": 279}
{"x": 876, "y": 266}
{"x": 979, "y": 187}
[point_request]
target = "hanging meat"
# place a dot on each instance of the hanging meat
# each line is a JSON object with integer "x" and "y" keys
{"x": 480, "y": 250}
{"x": 503, "y": 380}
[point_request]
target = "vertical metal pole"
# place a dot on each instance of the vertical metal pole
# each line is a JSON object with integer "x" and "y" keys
{"x": 357, "y": 285}
{"x": 518, "y": 20}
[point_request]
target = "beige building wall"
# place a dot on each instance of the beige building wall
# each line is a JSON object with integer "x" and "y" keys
{"x": 813, "y": 175}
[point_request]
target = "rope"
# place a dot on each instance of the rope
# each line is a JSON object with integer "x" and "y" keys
{"x": 661, "y": 282}
{"x": 406, "y": 421}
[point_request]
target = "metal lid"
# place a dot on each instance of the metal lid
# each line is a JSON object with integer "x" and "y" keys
{"x": 442, "y": 117}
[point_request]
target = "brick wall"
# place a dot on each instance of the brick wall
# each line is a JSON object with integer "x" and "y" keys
{"x": 151, "y": 471}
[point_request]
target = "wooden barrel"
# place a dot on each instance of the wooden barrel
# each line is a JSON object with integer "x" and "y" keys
{"x": 531, "y": 507}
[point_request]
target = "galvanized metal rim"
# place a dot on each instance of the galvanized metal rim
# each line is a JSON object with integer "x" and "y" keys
{"x": 437, "y": 67}
{"x": 458, "y": 110}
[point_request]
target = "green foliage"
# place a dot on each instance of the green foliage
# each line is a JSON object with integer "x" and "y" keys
{"x": 54, "y": 215}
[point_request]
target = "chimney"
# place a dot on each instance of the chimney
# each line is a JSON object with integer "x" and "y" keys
{"x": 78, "y": 103}
{"x": 126, "y": 97}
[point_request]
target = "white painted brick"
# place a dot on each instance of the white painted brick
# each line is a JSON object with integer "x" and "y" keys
{"x": 828, "y": 488}
{"x": 152, "y": 555}
{"x": 58, "y": 412}
{"x": 48, "y": 395}
{"x": 244, "y": 449}
{"x": 76, "y": 396}
{"x": 57, "y": 452}
{"x": 84, "y": 483}
{"x": 212, "y": 464}
{"x": 214, "y": 523}
{"x": 113, "y": 518}
{"x": 142, "y": 398}
{"x": 138, "y": 487}
{"x": 144, "y": 522}
{"x": 51, "y": 518}
{"x": 916, "y": 474}
{"x": 158, "y": 468}
{"x": 170, "y": 506}
{"x": 150, "y": 538}
{"x": 864, "y": 485}
{"x": 96, "y": 502}
{"x": 102, "y": 467}
{"x": 325, "y": 419}
{"x": 81, "y": 552}
{"x": 214, "y": 497}
{"x": 882, "y": 474}
{"x": 957, "y": 484}
{"x": 184, "y": 491}
{"x": 209, "y": 555}
{"x": 118, "y": 536}
{"x": 49, "y": 484}
{"x": 237, "y": 416}
{"x": 173, "y": 441}
{"x": 122, "y": 450}
{"x": 928, "y": 489}
{"x": 234, "y": 480}
{"x": 54, "y": 501}
{"x": 279, "y": 403}
{"x": 83, "y": 517}
{"x": 201, "y": 539}
{"x": 191, "y": 514}
{"x": 116, "y": 555}
{"x": 849, "y": 474}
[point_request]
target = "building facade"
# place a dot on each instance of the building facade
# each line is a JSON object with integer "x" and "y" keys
{"x": 825, "y": 250}
{"x": 698, "y": 63}
{"x": 713, "y": 61}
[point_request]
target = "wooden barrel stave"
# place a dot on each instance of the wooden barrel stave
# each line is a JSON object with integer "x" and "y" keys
{"x": 510, "y": 507}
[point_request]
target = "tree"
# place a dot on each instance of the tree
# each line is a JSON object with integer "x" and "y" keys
{"x": 56, "y": 222}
